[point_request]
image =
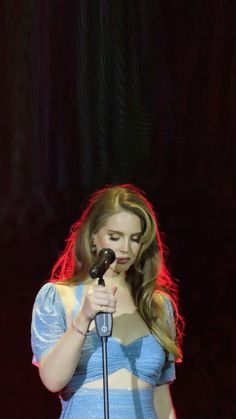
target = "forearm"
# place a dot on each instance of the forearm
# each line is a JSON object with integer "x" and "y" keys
{"x": 172, "y": 414}
{"x": 57, "y": 368}
{"x": 163, "y": 403}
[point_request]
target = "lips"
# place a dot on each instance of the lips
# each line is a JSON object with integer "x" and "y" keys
{"x": 122, "y": 261}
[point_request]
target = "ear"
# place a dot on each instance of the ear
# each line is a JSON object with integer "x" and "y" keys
{"x": 93, "y": 245}
{"x": 93, "y": 238}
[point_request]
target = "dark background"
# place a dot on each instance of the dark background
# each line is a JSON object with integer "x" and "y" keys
{"x": 96, "y": 92}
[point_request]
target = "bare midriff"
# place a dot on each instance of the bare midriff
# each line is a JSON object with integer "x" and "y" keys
{"x": 119, "y": 380}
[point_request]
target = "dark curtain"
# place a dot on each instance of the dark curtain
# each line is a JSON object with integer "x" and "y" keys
{"x": 96, "y": 92}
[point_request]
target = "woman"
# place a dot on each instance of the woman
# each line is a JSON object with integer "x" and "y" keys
{"x": 140, "y": 295}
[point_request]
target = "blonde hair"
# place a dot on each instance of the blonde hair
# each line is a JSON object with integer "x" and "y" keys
{"x": 151, "y": 285}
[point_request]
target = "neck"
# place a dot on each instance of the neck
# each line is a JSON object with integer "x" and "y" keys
{"x": 117, "y": 279}
{"x": 111, "y": 279}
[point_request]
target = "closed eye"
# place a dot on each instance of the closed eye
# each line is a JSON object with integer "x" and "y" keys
{"x": 114, "y": 238}
{"x": 136, "y": 239}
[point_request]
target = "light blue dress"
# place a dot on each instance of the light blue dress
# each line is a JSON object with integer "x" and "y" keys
{"x": 144, "y": 357}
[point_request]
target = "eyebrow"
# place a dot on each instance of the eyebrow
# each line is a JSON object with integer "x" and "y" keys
{"x": 119, "y": 232}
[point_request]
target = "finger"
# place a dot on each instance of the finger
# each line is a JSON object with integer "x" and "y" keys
{"x": 99, "y": 290}
{"x": 105, "y": 309}
{"x": 107, "y": 302}
{"x": 114, "y": 289}
{"x": 110, "y": 292}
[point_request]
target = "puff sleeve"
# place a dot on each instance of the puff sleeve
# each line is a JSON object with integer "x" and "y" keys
{"x": 168, "y": 373}
{"x": 48, "y": 321}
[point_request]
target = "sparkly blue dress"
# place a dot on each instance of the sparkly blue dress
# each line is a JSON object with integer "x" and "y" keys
{"x": 144, "y": 357}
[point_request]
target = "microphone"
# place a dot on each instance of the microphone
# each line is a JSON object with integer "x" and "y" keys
{"x": 105, "y": 259}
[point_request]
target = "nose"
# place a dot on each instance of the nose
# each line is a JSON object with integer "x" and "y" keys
{"x": 124, "y": 246}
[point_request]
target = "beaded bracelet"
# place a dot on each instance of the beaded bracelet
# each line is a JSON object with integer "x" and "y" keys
{"x": 78, "y": 329}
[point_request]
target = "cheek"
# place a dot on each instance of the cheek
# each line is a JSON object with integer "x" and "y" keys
{"x": 101, "y": 242}
{"x": 136, "y": 248}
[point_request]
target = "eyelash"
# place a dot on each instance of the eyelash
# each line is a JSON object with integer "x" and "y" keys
{"x": 117, "y": 238}
{"x": 114, "y": 239}
{"x": 136, "y": 240}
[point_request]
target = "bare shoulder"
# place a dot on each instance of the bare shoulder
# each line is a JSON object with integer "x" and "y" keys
{"x": 67, "y": 295}
{"x": 63, "y": 289}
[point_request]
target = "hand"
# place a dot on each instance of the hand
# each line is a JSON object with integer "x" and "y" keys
{"x": 98, "y": 298}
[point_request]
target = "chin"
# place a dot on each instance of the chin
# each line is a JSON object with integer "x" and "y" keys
{"x": 121, "y": 268}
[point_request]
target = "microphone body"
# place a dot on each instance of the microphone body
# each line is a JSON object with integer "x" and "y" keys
{"x": 105, "y": 258}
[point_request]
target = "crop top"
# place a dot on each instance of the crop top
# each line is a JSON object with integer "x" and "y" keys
{"x": 144, "y": 357}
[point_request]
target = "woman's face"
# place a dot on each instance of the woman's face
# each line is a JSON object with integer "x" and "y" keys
{"x": 121, "y": 233}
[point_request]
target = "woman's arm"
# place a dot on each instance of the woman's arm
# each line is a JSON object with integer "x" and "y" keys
{"x": 163, "y": 403}
{"x": 57, "y": 367}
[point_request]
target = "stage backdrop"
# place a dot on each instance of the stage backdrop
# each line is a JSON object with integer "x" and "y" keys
{"x": 96, "y": 92}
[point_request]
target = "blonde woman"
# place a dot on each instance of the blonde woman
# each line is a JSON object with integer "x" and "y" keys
{"x": 142, "y": 298}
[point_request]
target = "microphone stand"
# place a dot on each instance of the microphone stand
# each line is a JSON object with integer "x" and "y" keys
{"x": 103, "y": 323}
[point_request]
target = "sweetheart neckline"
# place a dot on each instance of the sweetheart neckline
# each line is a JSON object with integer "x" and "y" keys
{"x": 93, "y": 331}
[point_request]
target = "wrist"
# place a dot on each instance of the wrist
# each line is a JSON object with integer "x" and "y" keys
{"x": 82, "y": 330}
{"x": 81, "y": 322}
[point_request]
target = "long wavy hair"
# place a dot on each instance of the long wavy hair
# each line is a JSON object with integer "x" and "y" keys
{"x": 151, "y": 284}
